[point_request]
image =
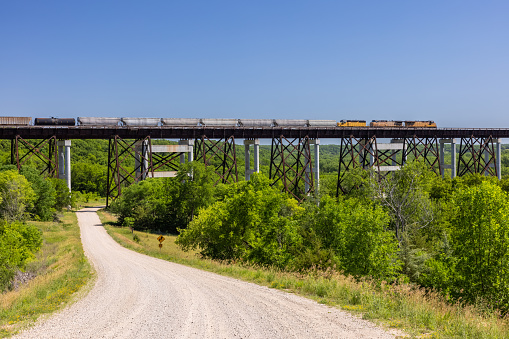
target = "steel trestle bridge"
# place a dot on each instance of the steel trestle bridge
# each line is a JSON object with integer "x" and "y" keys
{"x": 294, "y": 151}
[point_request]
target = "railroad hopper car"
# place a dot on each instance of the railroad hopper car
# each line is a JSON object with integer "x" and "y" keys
{"x": 180, "y": 122}
{"x": 260, "y": 123}
{"x": 15, "y": 121}
{"x": 93, "y": 121}
{"x": 219, "y": 122}
{"x": 145, "y": 122}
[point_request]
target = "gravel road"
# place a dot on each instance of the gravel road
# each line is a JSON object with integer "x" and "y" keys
{"x": 137, "y": 296}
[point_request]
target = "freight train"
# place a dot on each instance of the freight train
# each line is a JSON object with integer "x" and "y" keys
{"x": 191, "y": 122}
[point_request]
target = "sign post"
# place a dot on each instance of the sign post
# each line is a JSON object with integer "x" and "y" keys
{"x": 161, "y": 239}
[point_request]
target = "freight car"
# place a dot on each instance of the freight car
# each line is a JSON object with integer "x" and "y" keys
{"x": 15, "y": 121}
{"x": 54, "y": 122}
{"x": 93, "y": 121}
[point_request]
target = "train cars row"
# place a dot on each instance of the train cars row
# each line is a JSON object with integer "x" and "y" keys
{"x": 192, "y": 122}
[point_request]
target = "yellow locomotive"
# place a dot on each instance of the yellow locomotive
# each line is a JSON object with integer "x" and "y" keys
{"x": 352, "y": 123}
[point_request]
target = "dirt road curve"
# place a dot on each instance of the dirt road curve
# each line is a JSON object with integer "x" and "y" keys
{"x": 137, "y": 296}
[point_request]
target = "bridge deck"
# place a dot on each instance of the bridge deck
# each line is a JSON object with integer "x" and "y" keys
{"x": 81, "y": 132}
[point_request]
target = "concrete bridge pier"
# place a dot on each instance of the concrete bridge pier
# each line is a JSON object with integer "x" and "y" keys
{"x": 141, "y": 159}
{"x": 256, "y": 164}
{"x": 64, "y": 161}
{"x": 190, "y": 144}
{"x": 316, "y": 167}
{"x": 452, "y": 166}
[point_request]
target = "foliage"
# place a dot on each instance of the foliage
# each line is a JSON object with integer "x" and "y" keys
{"x": 254, "y": 223}
{"x": 17, "y": 195}
{"x": 45, "y": 194}
{"x": 89, "y": 177}
{"x": 18, "y": 243}
{"x": 481, "y": 244}
{"x": 62, "y": 194}
{"x": 192, "y": 189}
{"x": 355, "y": 231}
{"x": 144, "y": 202}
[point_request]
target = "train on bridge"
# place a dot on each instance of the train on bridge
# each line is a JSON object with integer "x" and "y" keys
{"x": 192, "y": 122}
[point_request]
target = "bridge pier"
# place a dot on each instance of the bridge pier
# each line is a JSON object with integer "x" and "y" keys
{"x": 64, "y": 161}
{"x": 452, "y": 166}
{"x": 256, "y": 161}
{"x": 141, "y": 159}
{"x": 385, "y": 153}
{"x": 190, "y": 152}
{"x": 316, "y": 168}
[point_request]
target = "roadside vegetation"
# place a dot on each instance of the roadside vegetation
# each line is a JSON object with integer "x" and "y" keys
{"x": 55, "y": 273}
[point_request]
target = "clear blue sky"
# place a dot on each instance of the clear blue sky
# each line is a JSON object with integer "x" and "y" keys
{"x": 446, "y": 61}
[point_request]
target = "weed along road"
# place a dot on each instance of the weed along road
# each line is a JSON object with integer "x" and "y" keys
{"x": 136, "y": 296}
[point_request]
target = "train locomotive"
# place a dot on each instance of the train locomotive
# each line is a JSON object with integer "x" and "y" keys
{"x": 195, "y": 122}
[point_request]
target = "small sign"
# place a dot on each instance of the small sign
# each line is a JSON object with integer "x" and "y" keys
{"x": 160, "y": 245}
{"x": 160, "y": 238}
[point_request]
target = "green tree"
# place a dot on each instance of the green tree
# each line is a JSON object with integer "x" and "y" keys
{"x": 192, "y": 189}
{"x": 480, "y": 233}
{"x": 18, "y": 243}
{"x": 356, "y": 230}
{"x": 45, "y": 194}
{"x": 17, "y": 195}
{"x": 88, "y": 177}
{"x": 254, "y": 222}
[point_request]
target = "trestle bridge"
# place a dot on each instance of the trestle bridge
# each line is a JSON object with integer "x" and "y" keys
{"x": 294, "y": 151}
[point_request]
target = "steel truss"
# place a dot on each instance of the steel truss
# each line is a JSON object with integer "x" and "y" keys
{"x": 425, "y": 150}
{"x": 45, "y": 150}
{"x": 290, "y": 163}
{"x": 471, "y": 159}
{"x": 219, "y": 153}
{"x": 367, "y": 153}
{"x": 121, "y": 173}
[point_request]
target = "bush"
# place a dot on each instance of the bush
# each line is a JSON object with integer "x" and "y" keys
{"x": 254, "y": 222}
{"x": 355, "y": 230}
{"x": 480, "y": 235}
{"x": 17, "y": 195}
{"x": 18, "y": 243}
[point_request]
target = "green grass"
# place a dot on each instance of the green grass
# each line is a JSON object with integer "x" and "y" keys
{"x": 404, "y": 307}
{"x": 62, "y": 270}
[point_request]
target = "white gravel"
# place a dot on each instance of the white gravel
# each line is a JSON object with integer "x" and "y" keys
{"x": 137, "y": 296}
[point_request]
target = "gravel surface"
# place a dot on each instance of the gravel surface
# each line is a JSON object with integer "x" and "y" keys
{"x": 137, "y": 296}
